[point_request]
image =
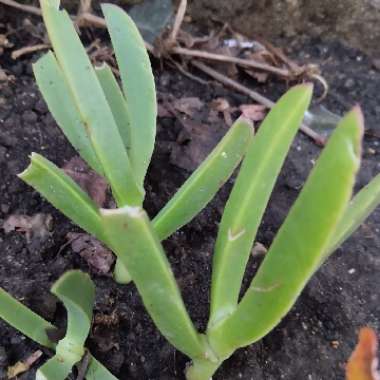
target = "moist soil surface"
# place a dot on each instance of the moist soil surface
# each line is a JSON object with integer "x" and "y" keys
{"x": 312, "y": 342}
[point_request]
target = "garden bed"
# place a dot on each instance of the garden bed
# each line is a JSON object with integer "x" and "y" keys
{"x": 313, "y": 342}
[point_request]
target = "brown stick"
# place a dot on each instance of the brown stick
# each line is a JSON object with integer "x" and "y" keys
{"x": 22, "y": 7}
{"x": 28, "y": 49}
{"x": 317, "y": 138}
{"x": 224, "y": 58}
{"x": 178, "y": 21}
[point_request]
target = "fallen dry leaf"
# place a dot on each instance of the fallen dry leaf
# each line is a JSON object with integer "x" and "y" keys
{"x": 260, "y": 76}
{"x": 91, "y": 182}
{"x": 23, "y": 366}
{"x": 222, "y": 105}
{"x": 99, "y": 258}
{"x": 188, "y": 106}
{"x": 362, "y": 364}
{"x": 254, "y": 112}
{"x": 37, "y": 226}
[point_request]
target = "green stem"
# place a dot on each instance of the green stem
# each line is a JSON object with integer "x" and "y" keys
{"x": 121, "y": 274}
{"x": 202, "y": 369}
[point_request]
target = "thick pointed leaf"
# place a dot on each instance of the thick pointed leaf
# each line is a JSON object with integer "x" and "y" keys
{"x": 25, "y": 320}
{"x": 64, "y": 194}
{"x": 77, "y": 292}
{"x": 360, "y": 207}
{"x": 249, "y": 198}
{"x": 97, "y": 371}
{"x": 34, "y": 327}
{"x": 300, "y": 243}
{"x": 61, "y": 104}
{"x": 92, "y": 104}
{"x": 138, "y": 247}
{"x": 117, "y": 103}
{"x": 204, "y": 183}
{"x": 138, "y": 86}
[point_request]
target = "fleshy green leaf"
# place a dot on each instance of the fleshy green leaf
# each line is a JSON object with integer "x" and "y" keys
{"x": 116, "y": 101}
{"x": 300, "y": 243}
{"x": 25, "y": 320}
{"x": 64, "y": 194}
{"x": 34, "y": 327}
{"x": 360, "y": 207}
{"x": 97, "y": 371}
{"x": 77, "y": 292}
{"x": 249, "y": 198}
{"x": 138, "y": 247}
{"x": 203, "y": 184}
{"x": 92, "y": 104}
{"x": 57, "y": 95}
{"x": 138, "y": 86}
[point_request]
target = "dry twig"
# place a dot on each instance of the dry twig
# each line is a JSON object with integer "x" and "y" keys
{"x": 178, "y": 22}
{"x": 87, "y": 18}
{"x": 28, "y": 49}
{"x": 225, "y": 58}
{"x": 317, "y": 138}
{"x": 26, "y": 8}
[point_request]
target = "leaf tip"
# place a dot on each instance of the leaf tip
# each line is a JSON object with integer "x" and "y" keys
{"x": 246, "y": 121}
{"x": 23, "y": 175}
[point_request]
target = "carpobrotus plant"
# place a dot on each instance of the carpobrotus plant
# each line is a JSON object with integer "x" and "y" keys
{"x": 114, "y": 132}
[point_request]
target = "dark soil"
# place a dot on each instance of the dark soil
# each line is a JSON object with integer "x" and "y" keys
{"x": 313, "y": 342}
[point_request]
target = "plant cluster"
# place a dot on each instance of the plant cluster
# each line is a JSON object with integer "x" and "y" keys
{"x": 113, "y": 130}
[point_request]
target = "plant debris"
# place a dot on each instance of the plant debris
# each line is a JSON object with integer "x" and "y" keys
{"x": 363, "y": 362}
{"x": 254, "y": 112}
{"x": 188, "y": 106}
{"x": 99, "y": 258}
{"x": 37, "y": 226}
{"x": 23, "y": 366}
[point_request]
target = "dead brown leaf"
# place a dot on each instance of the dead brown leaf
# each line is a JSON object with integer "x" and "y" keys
{"x": 99, "y": 258}
{"x": 260, "y": 76}
{"x": 254, "y": 112}
{"x": 188, "y": 106}
{"x": 363, "y": 362}
{"x": 222, "y": 105}
{"x": 91, "y": 182}
{"x": 36, "y": 226}
{"x": 23, "y": 366}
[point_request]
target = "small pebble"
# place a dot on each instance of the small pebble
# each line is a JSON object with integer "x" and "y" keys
{"x": 29, "y": 116}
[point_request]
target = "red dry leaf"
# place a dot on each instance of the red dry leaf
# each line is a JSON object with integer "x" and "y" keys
{"x": 362, "y": 364}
